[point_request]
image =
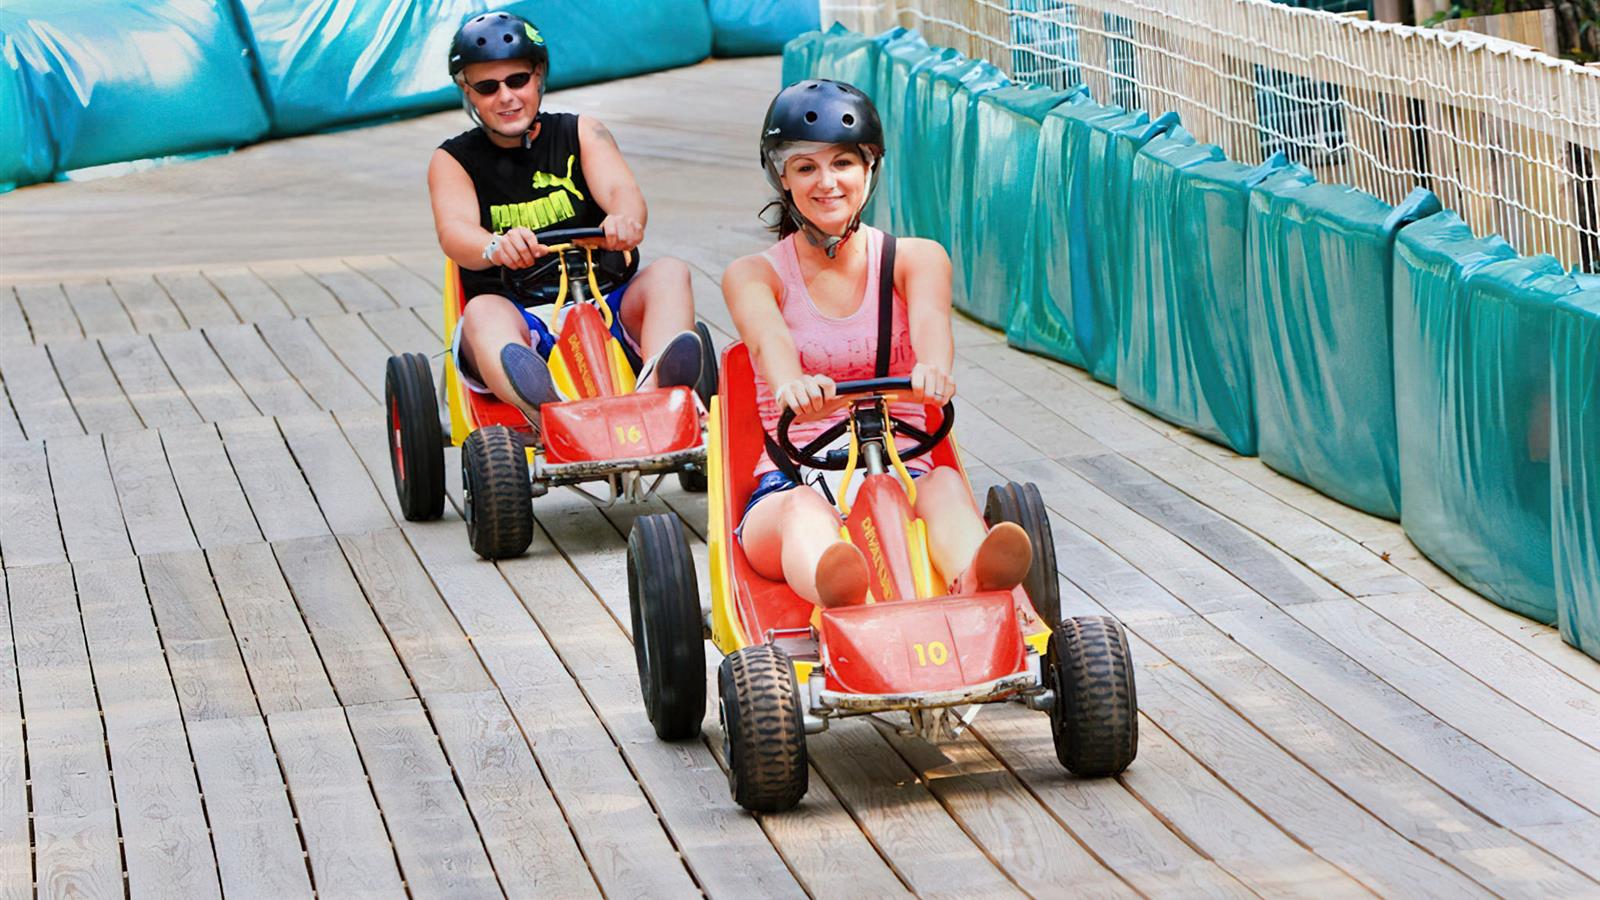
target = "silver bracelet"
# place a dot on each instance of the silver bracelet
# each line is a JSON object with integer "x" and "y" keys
{"x": 491, "y": 247}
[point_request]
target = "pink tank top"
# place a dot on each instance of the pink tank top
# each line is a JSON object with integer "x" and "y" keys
{"x": 843, "y": 348}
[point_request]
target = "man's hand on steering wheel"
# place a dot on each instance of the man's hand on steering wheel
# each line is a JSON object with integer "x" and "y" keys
{"x": 809, "y": 396}
{"x": 931, "y": 384}
{"x": 622, "y": 232}
{"x": 517, "y": 248}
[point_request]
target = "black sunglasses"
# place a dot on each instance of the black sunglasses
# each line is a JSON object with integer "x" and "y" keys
{"x": 489, "y": 86}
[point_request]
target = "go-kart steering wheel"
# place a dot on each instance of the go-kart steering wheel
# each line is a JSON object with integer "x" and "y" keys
{"x": 882, "y": 387}
{"x": 525, "y": 282}
{"x": 560, "y": 239}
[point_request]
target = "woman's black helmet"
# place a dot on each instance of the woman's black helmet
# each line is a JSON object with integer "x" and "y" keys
{"x": 824, "y": 112}
{"x": 495, "y": 36}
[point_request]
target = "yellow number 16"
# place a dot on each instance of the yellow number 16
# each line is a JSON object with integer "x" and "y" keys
{"x": 629, "y": 435}
{"x": 934, "y": 652}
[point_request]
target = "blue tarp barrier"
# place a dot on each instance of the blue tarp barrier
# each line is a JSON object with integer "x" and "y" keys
{"x": 995, "y": 191}
{"x": 758, "y": 27}
{"x": 329, "y": 62}
{"x": 1319, "y": 288}
{"x": 90, "y": 83}
{"x": 928, "y": 174}
{"x": 1575, "y": 464}
{"x": 1472, "y": 372}
{"x": 897, "y": 68}
{"x": 801, "y": 54}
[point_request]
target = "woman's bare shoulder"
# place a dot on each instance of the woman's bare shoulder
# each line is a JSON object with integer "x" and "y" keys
{"x": 746, "y": 269}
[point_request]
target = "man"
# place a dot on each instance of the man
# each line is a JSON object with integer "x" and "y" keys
{"x": 521, "y": 171}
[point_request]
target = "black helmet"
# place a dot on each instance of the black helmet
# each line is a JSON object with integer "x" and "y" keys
{"x": 824, "y": 112}
{"x": 494, "y": 36}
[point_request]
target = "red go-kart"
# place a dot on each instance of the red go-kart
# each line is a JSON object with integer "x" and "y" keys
{"x": 605, "y": 431}
{"x": 790, "y": 669}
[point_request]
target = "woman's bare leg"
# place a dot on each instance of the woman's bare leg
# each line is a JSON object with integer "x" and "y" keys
{"x": 966, "y": 551}
{"x": 793, "y": 536}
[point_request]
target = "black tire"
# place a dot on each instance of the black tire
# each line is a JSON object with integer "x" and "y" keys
{"x": 416, "y": 443}
{"x": 763, "y": 729}
{"x": 693, "y": 478}
{"x": 668, "y": 636}
{"x": 1021, "y": 503}
{"x": 1095, "y": 719}
{"x": 706, "y": 387}
{"x": 497, "y": 499}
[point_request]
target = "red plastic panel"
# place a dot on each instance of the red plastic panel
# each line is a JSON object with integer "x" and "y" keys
{"x": 877, "y": 524}
{"x": 912, "y": 646}
{"x": 582, "y": 345}
{"x": 648, "y": 423}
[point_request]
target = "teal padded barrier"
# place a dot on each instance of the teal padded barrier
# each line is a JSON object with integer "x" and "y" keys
{"x": 1055, "y": 268}
{"x": 962, "y": 178}
{"x": 91, "y": 82}
{"x": 1319, "y": 287}
{"x": 326, "y": 63}
{"x": 878, "y": 84}
{"x": 1575, "y": 464}
{"x": 1108, "y": 178}
{"x": 900, "y": 65}
{"x": 1472, "y": 372}
{"x": 847, "y": 56}
{"x": 1184, "y": 352}
{"x": 759, "y": 27}
{"x": 800, "y": 55}
{"x": 991, "y": 235}
{"x": 927, "y": 176}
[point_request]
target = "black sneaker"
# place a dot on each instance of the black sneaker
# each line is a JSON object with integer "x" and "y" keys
{"x": 677, "y": 364}
{"x": 529, "y": 375}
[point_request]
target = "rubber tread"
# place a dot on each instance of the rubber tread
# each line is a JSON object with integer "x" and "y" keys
{"x": 707, "y": 386}
{"x": 693, "y": 479}
{"x": 1095, "y": 719}
{"x": 668, "y": 636}
{"x": 499, "y": 509}
{"x": 408, "y": 387}
{"x": 763, "y": 729}
{"x": 1020, "y": 503}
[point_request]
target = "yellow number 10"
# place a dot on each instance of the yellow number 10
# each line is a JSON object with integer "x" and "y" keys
{"x": 933, "y": 652}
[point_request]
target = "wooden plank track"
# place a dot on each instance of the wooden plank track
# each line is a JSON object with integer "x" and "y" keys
{"x": 230, "y": 667}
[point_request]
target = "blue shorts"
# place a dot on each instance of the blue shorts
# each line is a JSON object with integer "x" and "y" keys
{"x": 544, "y": 340}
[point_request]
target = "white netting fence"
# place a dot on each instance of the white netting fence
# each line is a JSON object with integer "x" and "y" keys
{"x": 1507, "y": 137}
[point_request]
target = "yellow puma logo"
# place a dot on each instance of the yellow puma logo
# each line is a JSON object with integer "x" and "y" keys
{"x": 545, "y": 179}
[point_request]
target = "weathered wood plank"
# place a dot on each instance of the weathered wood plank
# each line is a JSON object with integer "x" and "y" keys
{"x": 98, "y": 309}
{"x": 148, "y": 305}
{"x": 14, "y": 331}
{"x": 356, "y": 347}
{"x": 525, "y": 832}
{"x": 428, "y": 266}
{"x": 202, "y": 376}
{"x": 249, "y": 296}
{"x": 74, "y": 809}
{"x": 402, "y": 331}
{"x": 346, "y": 842}
{"x": 16, "y": 863}
{"x": 285, "y": 670}
{"x": 50, "y": 316}
{"x": 299, "y": 291}
{"x": 402, "y": 286}
{"x": 345, "y": 494}
{"x": 272, "y": 483}
{"x": 252, "y": 825}
{"x": 197, "y": 299}
{"x": 165, "y": 839}
{"x": 30, "y": 533}
{"x": 36, "y": 393}
{"x": 314, "y": 366}
{"x": 439, "y": 849}
{"x": 212, "y": 497}
{"x": 148, "y": 383}
{"x": 258, "y": 372}
{"x": 92, "y": 388}
{"x": 207, "y": 671}
{"x": 151, "y": 506}
{"x": 91, "y": 515}
{"x": 354, "y": 291}
{"x": 356, "y": 652}
{"x": 10, "y": 427}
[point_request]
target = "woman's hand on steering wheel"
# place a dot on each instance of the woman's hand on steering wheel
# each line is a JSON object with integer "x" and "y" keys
{"x": 809, "y": 396}
{"x": 622, "y": 232}
{"x": 518, "y": 248}
{"x": 931, "y": 384}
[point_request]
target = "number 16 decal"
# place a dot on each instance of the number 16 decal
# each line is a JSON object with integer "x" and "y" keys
{"x": 629, "y": 435}
{"x": 932, "y": 653}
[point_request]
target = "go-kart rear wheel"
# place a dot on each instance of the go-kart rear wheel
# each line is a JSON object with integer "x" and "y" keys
{"x": 497, "y": 500}
{"x": 1095, "y": 718}
{"x": 692, "y": 478}
{"x": 416, "y": 443}
{"x": 763, "y": 729}
{"x": 668, "y": 638}
{"x": 706, "y": 387}
{"x": 1021, "y": 503}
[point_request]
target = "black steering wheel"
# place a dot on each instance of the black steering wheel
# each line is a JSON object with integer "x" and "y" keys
{"x": 879, "y": 388}
{"x": 533, "y": 284}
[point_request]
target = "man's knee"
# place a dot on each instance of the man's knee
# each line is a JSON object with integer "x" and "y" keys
{"x": 670, "y": 270}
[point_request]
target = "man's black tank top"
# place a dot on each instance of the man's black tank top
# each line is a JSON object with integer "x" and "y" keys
{"x": 538, "y": 187}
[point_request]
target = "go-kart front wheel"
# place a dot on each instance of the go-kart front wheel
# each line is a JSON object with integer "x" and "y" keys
{"x": 497, "y": 500}
{"x": 1021, "y": 503}
{"x": 1095, "y": 717}
{"x": 692, "y": 478}
{"x": 416, "y": 443}
{"x": 668, "y": 638}
{"x": 763, "y": 729}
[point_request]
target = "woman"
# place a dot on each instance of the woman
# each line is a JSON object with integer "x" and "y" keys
{"x": 807, "y": 311}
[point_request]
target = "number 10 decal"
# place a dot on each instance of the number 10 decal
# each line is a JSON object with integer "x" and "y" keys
{"x": 932, "y": 653}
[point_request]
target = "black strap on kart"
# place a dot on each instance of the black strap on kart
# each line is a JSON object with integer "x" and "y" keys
{"x": 885, "y": 306}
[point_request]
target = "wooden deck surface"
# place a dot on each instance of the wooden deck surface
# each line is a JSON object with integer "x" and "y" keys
{"x": 230, "y": 667}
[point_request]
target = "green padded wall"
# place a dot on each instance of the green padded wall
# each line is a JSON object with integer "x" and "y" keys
{"x": 1575, "y": 464}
